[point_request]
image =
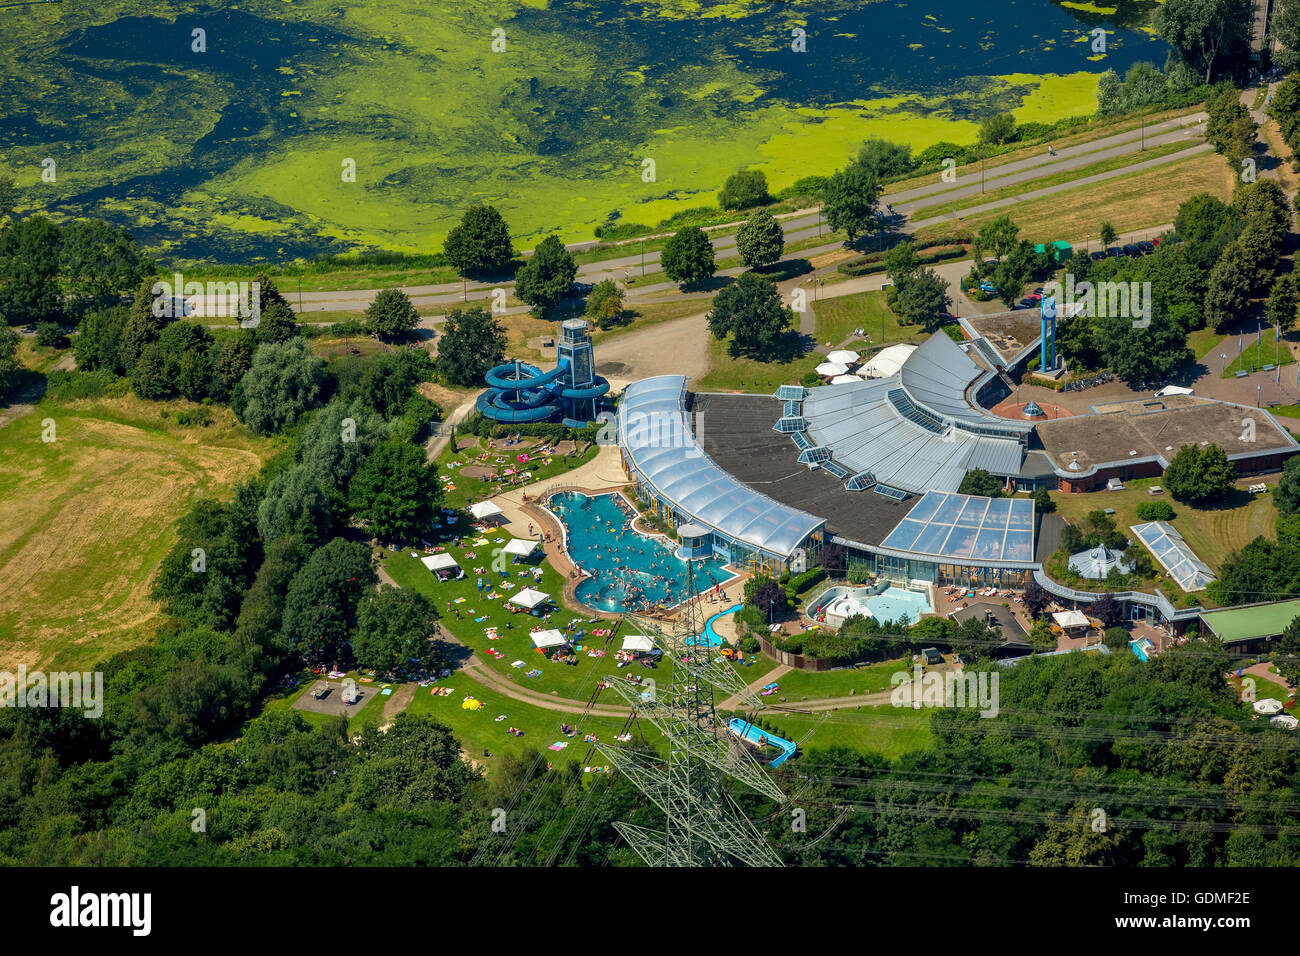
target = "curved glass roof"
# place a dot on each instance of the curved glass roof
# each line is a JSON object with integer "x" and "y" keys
{"x": 967, "y": 527}
{"x": 1189, "y": 571}
{"x": 658, "y": 442}
{"x": 937, "y": 375}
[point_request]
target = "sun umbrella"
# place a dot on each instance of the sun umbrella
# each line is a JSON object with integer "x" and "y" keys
{"x": 844, "y": 379}
{"x": 829, "y": 369}
{"x": 843, "y": 356}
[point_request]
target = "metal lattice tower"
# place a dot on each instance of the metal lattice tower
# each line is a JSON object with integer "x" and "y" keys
{"x": 704, "y": 827}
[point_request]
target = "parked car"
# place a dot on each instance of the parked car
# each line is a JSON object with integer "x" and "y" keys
{"x": 1035, "y": 297}
{"x": 1131, "y": 250}
{"x": 1098, "y": 255}
{"x": 1146, "y": 245}
{"x": 1114, "y": 252}
{"x": 988, "y": 287}
{"x": 582, "y": 288}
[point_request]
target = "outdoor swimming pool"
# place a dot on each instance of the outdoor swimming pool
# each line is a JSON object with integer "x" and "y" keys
{"x": 629, "y": 571}
{"x": 836, "y": 604}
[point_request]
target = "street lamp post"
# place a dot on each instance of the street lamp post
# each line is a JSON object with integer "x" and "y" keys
{"x": 643, "y": 257}
{"x": 1223, "y": 370}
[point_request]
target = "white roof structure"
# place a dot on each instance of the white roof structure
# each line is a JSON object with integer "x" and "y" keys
{"x": 637, "y": 642}
{"x": 887, "y": 361}
{"x": 844, "y": 379}
{"x": 520, "y": 547}
{"x": 1173, "y": 390}
{"x": 662, "y": 450}
{"x": 529, "y": 598}
{"x": 1098, "y": 562}
{"x": 551, "y": 638}
{"x": 484, "y": 509}
{"x": 1069, "y": 619}
{"x": 439, "y": 562}
{"x": 828, "y": 369}
{"x": 843, "y": 356}
{"x": 1268, "y": 705}
{"x": 913, "y": 432}
{"x": 1284, "y": 720}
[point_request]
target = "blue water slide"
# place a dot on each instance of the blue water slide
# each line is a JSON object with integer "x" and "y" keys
{"x": 747, "y": 731}
{"x": 517, "y": 376}
{"x": 527, "y": 407}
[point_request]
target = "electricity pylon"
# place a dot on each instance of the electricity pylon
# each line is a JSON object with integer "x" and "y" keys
{"x": 703, "y": 825}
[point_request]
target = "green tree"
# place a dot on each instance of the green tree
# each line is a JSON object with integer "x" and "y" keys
{"x": 902, "y": 263}
{"x": 1205, "y": 33}
{"x": 760, "y": 240}
{"x": 151, "y": 378}
{"x": 849, "y": 201}
{"x": 11, "y": 369}
{"x": 924, "y": 300}
{"x": 885, "y": 159}
{"x": 295, "y": 505}
{"x": 391, "y": 314}
{"x": 395, "y": 491}
{"x": 547, "y": 276}
{"x": 605, "y": 304}
{"x": 1109, "y": 94}
{"x": 978, "y": 481}
{"x": 276, "y": 322}
{"x": 1206, "y": 225}
{"x": 1013, "y": 272}
{"x": 51, "y": 335}
{"x": 744, "y": 190}
{"x": 1043, "y": 502}
{"x": 480, "y": 243}
{"x": 997, "y": 239}
{"x": 394, "y": 627}
{"x": 321, "y": 603}
{"x": 29, "y": 272}
{"x": 1227, "y": 295}
{"x": 99, "y": 264}
{"x": 1199, "y": 474}
{"x": 688, "y": 256}
{"x": 97, "y": 340}
{"x": 1108, "y": 234}
{"x": 284, "y": 380}
{"x": 997, "y": 129}
{"x": 472, "y": 342}
{"x": 1283, "y": 302}
{"x": 1287, "y": 495}
{"x": 752, "y": 313}
{"x": 1286, "y": 30}
{"x": 233, "y": 357}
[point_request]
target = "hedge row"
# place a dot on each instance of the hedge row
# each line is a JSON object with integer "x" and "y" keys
{"x": 875, "y": 262}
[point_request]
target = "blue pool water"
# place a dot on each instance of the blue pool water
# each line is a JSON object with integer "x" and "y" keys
{"x": 892, "y": 603}
{"x": 629, "y": 571}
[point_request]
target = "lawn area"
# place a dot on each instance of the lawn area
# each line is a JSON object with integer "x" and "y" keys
{"x": 85, "y": 519}
{"x": 837, "y": 318}
{"x": 1202, "y": 342}
{"x": 798, "y": 685}
{"x": 729, "y": 373}
{"x": 889, "y": 731}
{"x": 469, "y": 448}
{"x": 1135, "y": 201}
{"x": 1254, "y": 356}
{"x": 370, "y": 714}
{"x": 1211, "y": 532}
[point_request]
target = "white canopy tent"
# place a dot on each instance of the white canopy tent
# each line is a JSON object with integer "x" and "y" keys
{"x": 1284, "y": 720}
{"x": 439, "y": 562}
{"x": 1070, "y": 619}
{"x": 845, "y": 379}
{"x": 529, "y": 598}
{"x": 886, "y": 362}
{"x": 1268, "y": 705}
{"x": 482, "y": 510}
{"x": 830, "y": 369}
{"x": 544, "y": 639}
{"x": 520, "y": 547}
{"x": 638, "y": 642}
{"x": 843, "y": 356}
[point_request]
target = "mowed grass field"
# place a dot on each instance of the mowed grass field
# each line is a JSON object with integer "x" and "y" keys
{"x": 85, "y": 519}
{"x": 1136, "y": 201}
{"x": 1213, "y": 533}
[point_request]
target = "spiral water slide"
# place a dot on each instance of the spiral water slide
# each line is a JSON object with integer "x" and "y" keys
{"x": 520, "y": 392}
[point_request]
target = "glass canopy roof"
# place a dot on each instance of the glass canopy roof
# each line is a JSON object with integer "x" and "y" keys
{"x": 1189, "y": 571}
{"x": 966, "y": 527}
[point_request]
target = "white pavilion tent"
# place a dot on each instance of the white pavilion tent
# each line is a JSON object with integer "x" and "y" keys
{"x": 441, "y": 563}
{"x": 638, "y": 643}
{"x": 1069, "y": 620}
{"x": 519, "y": 548}
{"x": 830, "y": 369}
{"x": 482, "y": 510}
{"x": 843, "y": 356}
{"x": 545, "y": 639}
{"x": 529, "y": 598}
